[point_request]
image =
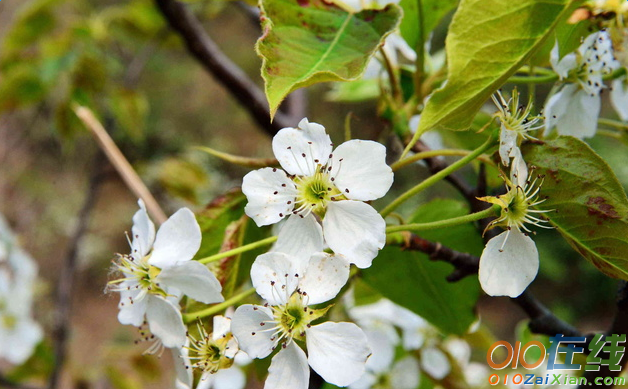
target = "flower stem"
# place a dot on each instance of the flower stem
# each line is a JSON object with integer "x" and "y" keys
{"x": 189, "y": 317}
{"x": 238, "y": 250}
{"x": 438, "y": 176}
{"x": 616, "y": 74}
{"x": 613, "y": 123}
{"x": 434, "y": 153}
{"x": 392, "y": 76}
{"x": 492, "y": 211}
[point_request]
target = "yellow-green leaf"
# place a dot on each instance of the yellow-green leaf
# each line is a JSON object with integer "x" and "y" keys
{"x": 487, "y": 42}
{"x": 311, "y": 41}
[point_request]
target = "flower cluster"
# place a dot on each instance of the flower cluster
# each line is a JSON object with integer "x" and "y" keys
{"x": 575, "y": 108}
{"x": 322, "y": 194}
{"x": 19, "y": 333}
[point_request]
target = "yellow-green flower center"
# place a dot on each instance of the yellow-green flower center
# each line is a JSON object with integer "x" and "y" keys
{"x": 209, "y": 354}
{"x": 316, "y": 191}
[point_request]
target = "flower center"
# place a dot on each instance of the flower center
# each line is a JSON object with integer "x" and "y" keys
{"x": 209, "y": 355}
{"x": 517, "y": 206}
{"x": 315, "y": 192}
{"x": 294, "y": 317}
{"x": 138, "y": 275}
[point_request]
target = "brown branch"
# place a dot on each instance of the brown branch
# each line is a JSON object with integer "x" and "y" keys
{"x": 207, "y": 52}
{"x": 542, "y": 320}
{"x": 66, "y": 279}
{"x": 619, "y": 326}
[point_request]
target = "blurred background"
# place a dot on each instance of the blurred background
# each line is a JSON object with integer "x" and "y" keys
{"x": 121, "y": 59}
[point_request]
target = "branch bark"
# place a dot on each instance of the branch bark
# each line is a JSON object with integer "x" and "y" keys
{"x": 542, "y": 320}
{"x": 204, "y": 49}
{"x": 66, "y": 280}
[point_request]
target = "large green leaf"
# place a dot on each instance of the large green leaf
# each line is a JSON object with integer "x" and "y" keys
{"x": 412, "y": 280}
{"x": 311, "y": 41}
{"x": 591, "y": 208}
{"x": 433, "y": 13}
{"x": 487, "y": 42}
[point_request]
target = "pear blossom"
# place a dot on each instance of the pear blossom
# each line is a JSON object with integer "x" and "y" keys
{"x": 382, "y": 371}
{"x": 158, "y": 271}
{"x": 336, "y": 351}
{"x": 215, "y": 355}
{"x": 575, "y": 108}
{"x": 19, "y": 332}
{"x": 515, "y": 125}
{"x": 316, "y": 183}
{"x": 510, "y": 261}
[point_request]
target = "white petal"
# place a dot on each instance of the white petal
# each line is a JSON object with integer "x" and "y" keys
{"x": 367, "y": 381}
{"x": 180, "y": 358}
{"x": 143, "y": 232}
{"x": 509, "y": 272}
{"x": 288, "y": 370}
{"x": 360, "y": 170}
{"x": 337, "y": 351}
{"x": 355, "y": 230}
{"x": 178, "y": 239}
{"x": 264, "y": 206}
{"x": 251, "y": 337}
{"x": 206, "y": 381}
{"x": 459, "y": 349}
{"x": 300, "y": 237}
{"x": 507, "y": 140}
{"x": 557, "y": 105}
{"x": 619, "y": 97}
{"x": 383, "y": 351}
{"x": 324, "y": 276}
{"x": 275, "y": 276}
{"x": 580, "y": 114}
{"x": 20, "y": 343}
{"x": 405, "y": 374}
{"x": 435, "y": 363}
{"x": 131, "y": 313}
{"x": 194, "y": 280}
{"x": 232, "y": 378}
{"x": 519, "y": 169}
{"x": 299, "y": 151}
{"x": 221, "y": 327}
{"x": 563, "y": 66}
{"x": 165, "y": 321}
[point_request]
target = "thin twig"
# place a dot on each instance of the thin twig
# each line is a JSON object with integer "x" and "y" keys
{"x": 66, "y": 279}
{"x": 117, "y": 159}
{"x": 207, "y": 52}
{"x": 619, "y": 327}
{"x": 542, "y": 320}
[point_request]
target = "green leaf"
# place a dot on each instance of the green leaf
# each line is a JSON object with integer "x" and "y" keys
{"x": 215, "y": 219}
{"x": 591, "y": 208}
{"x": 433, "y": 13}
{"x": 311, "y": 41}
{"x": 412, "y": 280}
{"x": 487, "y": 42}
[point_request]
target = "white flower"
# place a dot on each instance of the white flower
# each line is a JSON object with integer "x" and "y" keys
{"x": 19, "y": 333}
{"x": 158, "y": 271}
{"x": 619, "y": 97}
{"x": 382, "y": 371}
{"x": 575, "y": 108}
{"x": 332, "y": 186}
{"x": 214, "y": 355}
{"x": 516, "y": 123}
{"x": 510, "y": 261}
{"x": 336, "y": 351}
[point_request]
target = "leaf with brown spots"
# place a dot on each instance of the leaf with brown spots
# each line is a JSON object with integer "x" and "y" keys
{"x": 311, "y": 41}
{"x": 591, "y": 208}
